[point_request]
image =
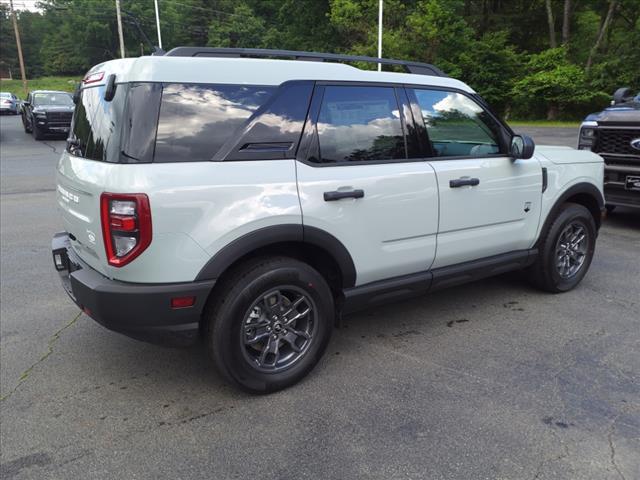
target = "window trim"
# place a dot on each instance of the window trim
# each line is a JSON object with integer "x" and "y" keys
{"x": 504, "y": 130}
{"x": 310, "y": 133}
{"x": 232, "y": 147}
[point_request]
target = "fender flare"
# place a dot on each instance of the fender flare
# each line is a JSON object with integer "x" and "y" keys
{"x": 264, "y": 237}
{"x": 582, "y": 187}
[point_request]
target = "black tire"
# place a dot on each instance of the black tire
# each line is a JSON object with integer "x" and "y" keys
{"x": 547, "y": 273}
{"x": 237, "y": 303}
{"x": 37, "y": 133}
{"x": 24, "y": 124}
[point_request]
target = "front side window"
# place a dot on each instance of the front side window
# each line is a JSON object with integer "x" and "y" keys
{"x": 456, "y": 125}
{"x": 196, "y": 120}
{"x": 360, "y": 124}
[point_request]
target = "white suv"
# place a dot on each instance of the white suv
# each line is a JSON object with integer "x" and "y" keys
{"x": 252, "y": 201}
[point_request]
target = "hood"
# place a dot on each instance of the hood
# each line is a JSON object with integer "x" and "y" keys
{"x": 617, "y": 115}
{"x": 560, "y": 155}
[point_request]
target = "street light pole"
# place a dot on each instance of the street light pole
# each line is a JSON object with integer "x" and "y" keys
{"x": 158, "y": 24}
{"x": 120, "y": 28}
{"x": 380, "y": 33}
{"x": 19, "y": 45}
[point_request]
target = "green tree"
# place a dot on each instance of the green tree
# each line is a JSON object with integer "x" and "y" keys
{"x": 243, "y": 29}
{"x": 554, "y": 82}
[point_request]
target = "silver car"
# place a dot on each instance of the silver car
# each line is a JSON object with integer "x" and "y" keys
{"x": 9, "y": 103}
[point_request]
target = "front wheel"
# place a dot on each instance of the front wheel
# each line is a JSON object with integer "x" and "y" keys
{"x": 37, "y": 132}
{"x": 269, "y": 323}
{"x": 24, "y": 124}
{"x": 566, "y": 250}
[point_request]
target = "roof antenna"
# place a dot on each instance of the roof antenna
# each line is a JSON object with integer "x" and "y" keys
{"x": 157, "y": 51}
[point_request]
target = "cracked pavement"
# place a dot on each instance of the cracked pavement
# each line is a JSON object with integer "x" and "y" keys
{"x": 488, "y": 380}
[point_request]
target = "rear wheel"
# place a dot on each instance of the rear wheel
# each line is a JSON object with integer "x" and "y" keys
{"x": 566, "y": 250}
{"x": 269, "y": 323}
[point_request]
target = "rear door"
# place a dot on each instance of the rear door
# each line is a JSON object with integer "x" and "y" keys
{"x": 489, "y": 202}
{"x": 357, "y": 180}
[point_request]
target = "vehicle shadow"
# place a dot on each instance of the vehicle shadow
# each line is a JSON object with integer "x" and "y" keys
{"x": 623, "y": 217}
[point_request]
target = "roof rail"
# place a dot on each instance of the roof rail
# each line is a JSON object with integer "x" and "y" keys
{"x": 410, "y": 67}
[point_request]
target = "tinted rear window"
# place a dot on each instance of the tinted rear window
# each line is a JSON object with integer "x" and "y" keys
{"x": 95, "y": 133}
{"x": 196, "y": 120}
{"x": 155, "y": 122}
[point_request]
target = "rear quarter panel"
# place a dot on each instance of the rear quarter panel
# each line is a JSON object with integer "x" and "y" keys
{"x": 196, "y": 209}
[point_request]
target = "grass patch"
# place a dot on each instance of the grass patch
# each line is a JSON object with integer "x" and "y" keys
{"x": 543, "y": 123}
{"x": 66, "y": 84}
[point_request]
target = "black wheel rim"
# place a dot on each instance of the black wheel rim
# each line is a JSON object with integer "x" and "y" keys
{"x": 278, "y": 329}
{"x": 571, "y": 249}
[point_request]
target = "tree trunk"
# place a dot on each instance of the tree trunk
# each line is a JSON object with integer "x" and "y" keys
{"x": 603, "y": 30}
{"x": 552, "y": 111}
{"x": 552, "y": 29}
{"x": 566, "y": 22}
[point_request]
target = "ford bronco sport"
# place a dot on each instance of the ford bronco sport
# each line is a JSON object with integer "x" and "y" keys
{"x": 252, "y": 201}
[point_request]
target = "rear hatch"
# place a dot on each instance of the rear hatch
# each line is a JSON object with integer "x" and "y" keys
{"x": 79, "y": 186}
{"x": 88, "y": 163}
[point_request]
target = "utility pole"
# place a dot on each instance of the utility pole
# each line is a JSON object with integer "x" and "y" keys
{"x": 19, "y": 45}
{"x": 158, "y": 24}
{"x": 380, "y": 33}
{"x": 120, "y": 28}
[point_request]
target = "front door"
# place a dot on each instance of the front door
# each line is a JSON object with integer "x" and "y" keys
{"x": 357, "y": 183}
{"x": 489, "y": 202}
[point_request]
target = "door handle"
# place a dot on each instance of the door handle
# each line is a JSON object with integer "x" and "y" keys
{"x": 338, "y": 195}
{"x": 464, "y": 181}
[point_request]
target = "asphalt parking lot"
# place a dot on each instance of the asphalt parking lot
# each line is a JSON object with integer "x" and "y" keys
{"x": 492, "y": 380}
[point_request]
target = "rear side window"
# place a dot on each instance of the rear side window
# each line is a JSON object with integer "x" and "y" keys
{"x": 196, "y": 120}
{"x": 456, "y": 125}
{"x": 360, "y": 124}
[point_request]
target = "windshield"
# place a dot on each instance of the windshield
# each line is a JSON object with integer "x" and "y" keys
{"x": 5, "y": 95}
{"x": 57, "y": 99}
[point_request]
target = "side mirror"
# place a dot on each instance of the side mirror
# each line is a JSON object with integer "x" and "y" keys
{"x": 76, "y": 94}
{"x": 622, "y": 95}
{"x": 522, "y": 146}
{"x": 110, "y": 90}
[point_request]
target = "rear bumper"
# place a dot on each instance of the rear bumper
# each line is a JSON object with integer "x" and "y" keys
{"x": 140, "y": 311}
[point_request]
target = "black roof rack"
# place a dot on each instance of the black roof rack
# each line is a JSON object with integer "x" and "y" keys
{"x": 410, "y": 67}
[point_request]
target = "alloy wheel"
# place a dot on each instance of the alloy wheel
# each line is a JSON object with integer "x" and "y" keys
{"x": 278, "y": 329}
{"x": 571, "y": 249}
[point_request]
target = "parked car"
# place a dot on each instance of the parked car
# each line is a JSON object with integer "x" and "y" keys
{"x": 252, "y": 201}
{"x": 9, "y": 103}
{"x": 47, "y": 111}
{"x": 614, "y": 133}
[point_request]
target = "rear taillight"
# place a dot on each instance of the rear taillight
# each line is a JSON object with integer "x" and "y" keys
{"x": 126, "y": 226}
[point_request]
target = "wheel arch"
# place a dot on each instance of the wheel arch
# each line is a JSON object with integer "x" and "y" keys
{"x": 585, "y": 194}
{"x": 317, "y": 247}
